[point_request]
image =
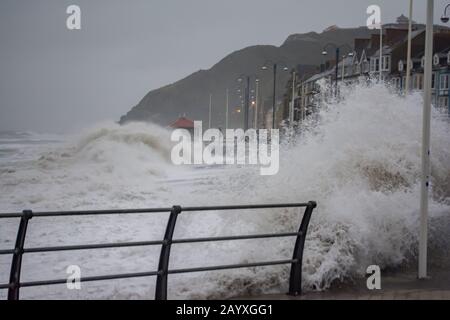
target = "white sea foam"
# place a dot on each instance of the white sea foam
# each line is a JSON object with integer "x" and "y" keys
{"x": 361, "y": 163}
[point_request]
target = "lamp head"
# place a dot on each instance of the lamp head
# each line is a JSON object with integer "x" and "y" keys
{"x": 445, "y": 18}
{"x": 324, "y": 53}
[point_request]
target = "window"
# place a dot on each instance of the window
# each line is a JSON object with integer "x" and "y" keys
{"x": 396, "y": 82}
{"x": 422, "y": 63}
{"x": 448, "y": 57}
{"x": 374, "y": 64}
{"x": 365, "y": 67}
{"x": 433, "y": 80}
{"x": 443, "y": 103}
{"x": 386, "y": 63}
{"x": 400, "y": 65}
{"x": 436, "y": 60}
{"x": 417, "y": 81}
{"x": 443, "y": 83}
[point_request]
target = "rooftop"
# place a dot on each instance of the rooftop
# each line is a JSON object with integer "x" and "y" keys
{"x": 182, "y": 123}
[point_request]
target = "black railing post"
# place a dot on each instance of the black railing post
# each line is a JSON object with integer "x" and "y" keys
{"x": 295, "y": 280}
{"x": 16, "y": 264}
{"x": 163, "y": 267}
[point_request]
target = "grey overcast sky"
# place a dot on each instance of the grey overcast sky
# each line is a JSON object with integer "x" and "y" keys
{"x": 56, "y": 80}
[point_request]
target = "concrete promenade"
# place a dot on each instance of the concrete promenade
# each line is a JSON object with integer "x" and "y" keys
{"x": 397, "y": 286}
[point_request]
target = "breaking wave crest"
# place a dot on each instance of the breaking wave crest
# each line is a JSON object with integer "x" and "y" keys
{"x": 362, "y": 164}
{"x": 360, "y": 160}
{"x": 105, "y": 166}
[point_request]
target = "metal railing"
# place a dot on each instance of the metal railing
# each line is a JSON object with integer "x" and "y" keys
{"x": 295, "y": 280}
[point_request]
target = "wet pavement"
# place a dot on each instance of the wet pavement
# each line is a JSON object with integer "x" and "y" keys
{"x": 394, "y": 286}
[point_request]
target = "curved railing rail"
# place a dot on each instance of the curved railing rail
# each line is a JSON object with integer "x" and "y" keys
{"x": 295, "y": 280}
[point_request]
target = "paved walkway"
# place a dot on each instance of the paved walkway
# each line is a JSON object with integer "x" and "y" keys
{"x": 398, "y": 286}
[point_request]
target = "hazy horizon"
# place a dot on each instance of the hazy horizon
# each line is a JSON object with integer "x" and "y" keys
{"x": 54, "y": 80}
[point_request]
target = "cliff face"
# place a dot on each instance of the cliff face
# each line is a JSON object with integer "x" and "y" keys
{"x": 190, "y": 96}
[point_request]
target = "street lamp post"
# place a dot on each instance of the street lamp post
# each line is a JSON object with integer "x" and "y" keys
{"x": 226, "y": 109}
{"x": 408, "y": 58}
{"x": 338, "y": 48}
{"x": 445, "y": 17}
{"x": 247, "y": 103}
{"x": 291, "y": 110}
{"x": 246, "y": 94}
{"x": 274, "y": 68}
{"x": 380, "y": 64}
{"x": 256, "y": 103}
{"x": 274, "y": 94}
{"x": 336, "y": 75}
{"x": 246, "y": 97}
{"x": 210, "y": 111}
{"x": 425, "y": 177}
{"x": 426, "y": 124}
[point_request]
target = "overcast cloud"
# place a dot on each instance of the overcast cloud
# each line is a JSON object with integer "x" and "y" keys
{"x": 56, "y": 80}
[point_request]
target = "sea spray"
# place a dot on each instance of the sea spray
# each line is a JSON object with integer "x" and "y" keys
{"x": 362, "y": 164}
{"x": 359, "y": 159}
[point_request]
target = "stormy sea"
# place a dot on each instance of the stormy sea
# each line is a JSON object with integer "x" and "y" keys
{"x": 359, "y": 158}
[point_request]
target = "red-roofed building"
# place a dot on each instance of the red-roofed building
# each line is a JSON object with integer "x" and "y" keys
{"x": 183, "y": 123}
